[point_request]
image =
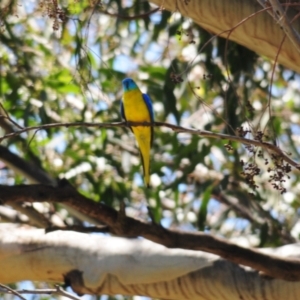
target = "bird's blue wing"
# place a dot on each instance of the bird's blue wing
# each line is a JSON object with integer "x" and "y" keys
{"x": 151, "y": 113}
{"x": 149, "y": 106}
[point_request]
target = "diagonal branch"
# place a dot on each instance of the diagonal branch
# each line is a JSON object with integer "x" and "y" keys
{"x": 27, "y": 169}
{"x": 35, "y": 174}
{"x": 9, "y": 290}
{"x": 287, "y": 269}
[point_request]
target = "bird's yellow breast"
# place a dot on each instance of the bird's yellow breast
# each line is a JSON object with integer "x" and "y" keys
{"x": 135, "y": 108}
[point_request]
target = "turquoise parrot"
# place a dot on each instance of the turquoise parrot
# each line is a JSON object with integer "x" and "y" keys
{"x": 137, "y": 107}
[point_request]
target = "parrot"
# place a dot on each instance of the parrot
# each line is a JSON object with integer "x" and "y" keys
{"x": 137, "y": 107}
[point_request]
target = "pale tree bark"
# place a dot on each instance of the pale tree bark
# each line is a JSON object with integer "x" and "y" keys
{"x": 107, "y": 265}
{"x": 261, "y": 33}
{"x": 95, "y": 264}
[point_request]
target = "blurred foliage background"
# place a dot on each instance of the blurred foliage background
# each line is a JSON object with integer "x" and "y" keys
{"x": 64, "y": 62}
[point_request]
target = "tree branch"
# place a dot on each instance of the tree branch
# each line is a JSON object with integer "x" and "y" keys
{"x": 287, "y": 269}
{"x": 281, "y": 17}
{"x": 258, "y": 34}
{"x": 9, "y": 290}
{"x": 29, "y": 170}
{"x": 264, "y": 145}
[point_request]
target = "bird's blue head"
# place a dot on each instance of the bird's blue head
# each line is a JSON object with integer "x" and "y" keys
{"x": 129, "y": 85}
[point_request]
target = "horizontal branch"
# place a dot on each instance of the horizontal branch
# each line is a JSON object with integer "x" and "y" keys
{"x": 57, "y": 291}
{"x": 120, "y": 224}
{"x": 180, "y": 129}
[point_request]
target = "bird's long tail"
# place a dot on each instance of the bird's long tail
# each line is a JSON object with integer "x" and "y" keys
{"x": 143, "y": 137}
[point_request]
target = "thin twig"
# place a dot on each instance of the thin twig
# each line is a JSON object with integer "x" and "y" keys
{"x": 8, "y": 117}
{"x": 11, "y": 291}
{"x": 57, "y": 291}
{"x": 280, "y": 16}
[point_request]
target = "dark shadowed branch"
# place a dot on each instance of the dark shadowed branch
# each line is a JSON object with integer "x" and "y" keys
{"x": 287, "y": 269}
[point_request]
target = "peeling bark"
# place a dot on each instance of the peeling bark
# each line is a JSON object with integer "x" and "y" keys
{"x": 259, "y": 33}
{"x": 96, "y": 264}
